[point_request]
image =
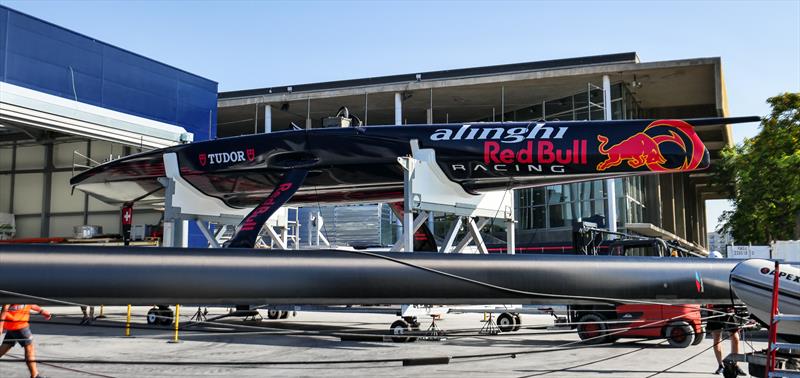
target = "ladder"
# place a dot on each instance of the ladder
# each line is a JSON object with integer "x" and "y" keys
{"x": 773, "y": 344}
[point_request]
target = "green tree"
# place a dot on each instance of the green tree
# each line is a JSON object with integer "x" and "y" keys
{"x": 762, "y": 175}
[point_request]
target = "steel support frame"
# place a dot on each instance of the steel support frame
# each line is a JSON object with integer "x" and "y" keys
{"x": 176, "y": 218}
{"x": 316, "y": 222}
{"x": 474, "y": 224}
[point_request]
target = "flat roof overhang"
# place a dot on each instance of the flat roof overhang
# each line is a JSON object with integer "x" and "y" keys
{"x": 684, "y": 88}
{"x": 26, "y": 114}
{"x": 648, "y": 229}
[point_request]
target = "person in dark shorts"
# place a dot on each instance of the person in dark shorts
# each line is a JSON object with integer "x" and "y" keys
{"x": 730, "y": 322}
{"x": 14, "y": 320}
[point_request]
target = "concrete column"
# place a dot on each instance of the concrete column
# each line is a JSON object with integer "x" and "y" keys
{"x": 652, "y": 203}
{"x": 47, "y": 190}
{"x": 703, "y": 227}
{"x": 503, "y": 103}
{"x": 680, "y": 207}
{"x": 398, "y": 108}
{"x": 694, "y": 219}
{"x": 611, "y": 201}
{"x": 309, "y": 125}
{"x": 691, "y": 211}
{"x": 429, "y": 114}
{"x": 267, "y": 118}
{"x": 667, "y": 202}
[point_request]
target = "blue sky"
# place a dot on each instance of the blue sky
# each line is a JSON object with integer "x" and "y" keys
{"x": 251, "y": 44}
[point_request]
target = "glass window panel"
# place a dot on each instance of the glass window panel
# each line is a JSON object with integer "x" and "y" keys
{"x": 596, "y": 96}
{"x": 616, "y": 91}
{"x": 557, "y": 215}
{"x": 558, "y": 106}
{"x": 585, "y": 209}
{"x": 571, "y": 192}
{"x": 599, "y": 189}
{"x": 565, "y": 116}
{"x": 599, "y": 207}
{"x": 555, "y": 194}
{"x": 597, "y": 114}
{"x": 537, "y": 196}
{"x": 533, "y": 112}
{"x": 538, "y": 217}
{"x": 616, "y": 110}
{"x": 580, "y": 100}
{"x": 581, "y": 115}
{"x": 585, "y": 190}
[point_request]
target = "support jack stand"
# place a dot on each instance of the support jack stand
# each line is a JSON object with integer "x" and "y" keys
{"x": 199, "y": 315}
{"x": 434, "y": 333}
{"x": 489, "y": 326}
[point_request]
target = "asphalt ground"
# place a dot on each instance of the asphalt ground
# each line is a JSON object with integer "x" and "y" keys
{"x": 310, "y": 344}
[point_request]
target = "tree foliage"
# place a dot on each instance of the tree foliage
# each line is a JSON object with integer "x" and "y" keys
{"x": 762, "y": 175}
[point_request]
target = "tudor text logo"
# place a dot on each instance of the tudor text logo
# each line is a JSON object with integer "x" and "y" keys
{"x": 226, "y": 157}
{"x": 644, "y": 149}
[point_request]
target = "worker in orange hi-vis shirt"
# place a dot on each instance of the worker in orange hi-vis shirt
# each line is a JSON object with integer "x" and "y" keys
{"x": 14, "y": 320}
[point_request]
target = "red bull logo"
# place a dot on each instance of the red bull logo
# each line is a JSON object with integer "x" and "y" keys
{"x": 644, "y": 149}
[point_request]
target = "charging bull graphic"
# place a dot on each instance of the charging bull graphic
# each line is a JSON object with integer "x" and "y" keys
{"x": 645, "y": 148}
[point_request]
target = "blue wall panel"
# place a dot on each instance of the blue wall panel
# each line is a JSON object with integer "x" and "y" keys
{"x": 41, "y": 56}
{"x": 3, "y": 33}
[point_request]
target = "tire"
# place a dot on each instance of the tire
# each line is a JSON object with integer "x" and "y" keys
{"x": 592, "y": 329}
{"x": 167, "y": 317}
{"x": 152, "y": 316}
{"x": 506, "y": 322}
{"x": 399, "y": 328}
{"x": 284, "y": 314}
{"x": 517, "y": 323}
{"x": 679, "y": 334}
{"x": 273, "y": 314}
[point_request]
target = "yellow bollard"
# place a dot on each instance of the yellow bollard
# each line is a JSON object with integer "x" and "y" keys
{"x": 128, "y": 322}
{"x": 177, "y": 323}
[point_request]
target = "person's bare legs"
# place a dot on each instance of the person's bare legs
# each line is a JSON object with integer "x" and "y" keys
{"x": 5, "y": 348}
{"x": 735, "y": 341}
{"x": 30, "y": 360}
{"x": 717, "y": 335}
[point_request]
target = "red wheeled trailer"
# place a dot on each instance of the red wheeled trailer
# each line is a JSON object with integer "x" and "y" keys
{"x": 681, "y": 325}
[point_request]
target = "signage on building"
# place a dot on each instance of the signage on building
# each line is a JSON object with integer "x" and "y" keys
{"x": 748, "y": 252}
